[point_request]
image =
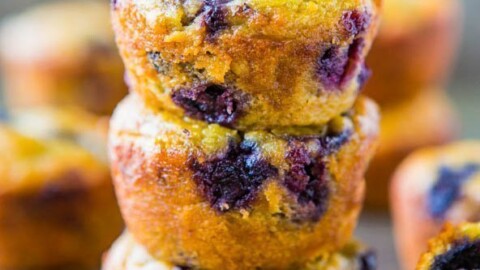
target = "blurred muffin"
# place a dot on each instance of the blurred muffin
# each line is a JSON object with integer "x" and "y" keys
{"x": 62, "y": 53}
{"x": 200, "y": 194}
{"x": 414, "y": 49}
{"x": 64, "y": 123}
{"x": 426, "y": 120}
{"x": 57, "y": 206}
{"x": 431, "y": 187}
{"x": 455, "y": 248}
{"x": 247, "y": 64}
{"x": 126, "y": 254}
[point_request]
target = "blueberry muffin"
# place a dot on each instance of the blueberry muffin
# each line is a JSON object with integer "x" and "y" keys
{"x": 201, "y": 194}
{"x": 126, "y": 254}
{"x": 426, "y": 120}
{"x": 415, "y": 47}
{"x": 248, "y": 63}
{"x": 64, "y": 123}
{"x": 62, "y": 53}
{"x": 455, "y": 248}
{"x": 57, "y": 206}
{"x": 431, "y": 187}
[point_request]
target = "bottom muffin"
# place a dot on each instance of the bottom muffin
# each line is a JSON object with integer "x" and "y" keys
{"x": 431, "y": 187}
{"x": 198, "y": 194}
{"x": 455, "y": 248}
{"x": 57, "y": 206}
{"x": 127, "y": 254}
{"x": 426, "y": 120}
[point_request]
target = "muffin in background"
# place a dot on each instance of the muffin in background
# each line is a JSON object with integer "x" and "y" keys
{"x": 57, "y": 190}
{"x": 434, "y": 186}
{"x": 428, "y": 119}
{"x": 57, "y": 205}
{"x": 411, "y": 60}
{"x": 62, "y": 53}
{"x": 414, "y": 49}
{"x": 64, "y": 123}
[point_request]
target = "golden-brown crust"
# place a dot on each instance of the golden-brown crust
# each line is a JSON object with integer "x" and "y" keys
{"x": 419, "y": 39}
{"x": 151, "y": 153}
{"x": 412, "y": 183}
{"x": 268, "y": 54}
{"x": 428, "y": 119}
{"x": 450, "y": 238}
{"x": 74, "y": 65}
{"x": 57, "y": 206}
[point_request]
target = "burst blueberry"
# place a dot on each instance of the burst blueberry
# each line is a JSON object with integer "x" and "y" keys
{"x": 231, "y": 180}
{"x": 463, "y": 255}
{"x": 215, "y": 17}
{"x": 211, "y": 103}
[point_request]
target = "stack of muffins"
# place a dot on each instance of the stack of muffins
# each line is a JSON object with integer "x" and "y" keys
{"x": 62, "y": 76}
{"x": 243, "y": 143}
{"x": 412, "y": 58}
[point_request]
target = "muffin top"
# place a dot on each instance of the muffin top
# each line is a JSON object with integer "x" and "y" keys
{"x": 274, "y": 20}
{"x": 57, "y": 33}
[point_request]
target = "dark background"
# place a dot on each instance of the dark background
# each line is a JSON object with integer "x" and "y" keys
{"x": 464, "y": 89}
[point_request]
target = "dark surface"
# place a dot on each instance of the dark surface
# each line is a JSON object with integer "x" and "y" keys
{"x": 463, "y": 255}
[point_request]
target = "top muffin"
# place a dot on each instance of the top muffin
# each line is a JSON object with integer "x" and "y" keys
{"x": 247, "y": 63}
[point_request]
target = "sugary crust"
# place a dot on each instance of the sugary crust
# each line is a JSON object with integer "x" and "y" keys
{"x": 57, "y": 206}
{"x": 267, "y": 53}
{"x": 62, "y": 53}
{"x": 447, "y": 240}
{"x": 412, "y": 182}
{"x": 151, "y": 154}
{"x": 419, "y": 39}
{"x": 126, "y": 254}
{"x": 426, "y": 120}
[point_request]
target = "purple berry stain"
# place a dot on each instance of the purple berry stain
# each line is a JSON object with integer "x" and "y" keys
{"x": 464, "y": 254}
{"x": 356, "y": 22}
{"x": 365, "y": 74}
{"x": 331, "y": 66}
{"x": 308, "y": 177}
{"x": 211, "y": 103}
{"x": 447, "y": 188}
{"x": 231, "y": 180}
{"x": 113, "y": 4}
{"x": 215, "y": 14}
{"x": 337, "y": 65}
